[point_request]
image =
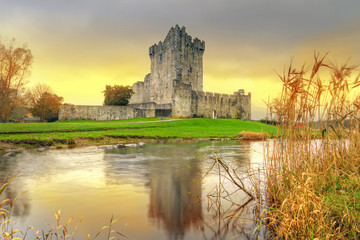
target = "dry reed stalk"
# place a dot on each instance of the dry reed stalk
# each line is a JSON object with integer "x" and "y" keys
{"x": 303, "y": 174}
{"x": 223, "y": 202}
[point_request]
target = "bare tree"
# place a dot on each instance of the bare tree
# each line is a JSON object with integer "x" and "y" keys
{"x": 15, "y": 64}
{"x": 34, "y": 94}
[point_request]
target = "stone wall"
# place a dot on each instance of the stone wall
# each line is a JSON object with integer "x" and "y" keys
{"x": 163, "y": 106}
{"x": 82, "y": 112}
{"x": 190, "y": 103}
{"x": 181, "y": 106}
{"x": 138, "y": 89}
{"x": 141, "y": 91}
{"x": 147, "y": 95}
{"x": 216, "y": 105}
{"x": 150, "y": 105}
{"x": 143, "y": 105}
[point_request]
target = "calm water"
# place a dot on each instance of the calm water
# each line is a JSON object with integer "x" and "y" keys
{"x": 155, "y": 189}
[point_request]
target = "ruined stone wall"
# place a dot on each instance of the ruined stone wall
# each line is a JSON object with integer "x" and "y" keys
{"x": 190, "y": 103}
{"x": 82, "y": 112}
{"x": 138, "y": 89}
{"x": 216, "y": 105}
{"x": 244, "y": 105}
{"x": 163, "y": 106}
{"x": 141, "y": 90}
{"x": 181, "y": 106}
{"x": 151, "y": 105}
{"x": 147, "y": 86}
{"x": 147, "y": 105}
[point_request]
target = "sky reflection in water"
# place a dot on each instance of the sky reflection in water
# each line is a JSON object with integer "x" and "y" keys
{"x": 155, "y": 189}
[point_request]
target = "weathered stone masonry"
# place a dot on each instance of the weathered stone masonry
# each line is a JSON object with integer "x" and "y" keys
{"x": 174, "y": 87}
{"x": 101, "y": 113}
{"x": 190, "y": 103}
{"x": 176, "y": 78}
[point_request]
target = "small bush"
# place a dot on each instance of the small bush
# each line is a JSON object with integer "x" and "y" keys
{"x": 252, "y": 135}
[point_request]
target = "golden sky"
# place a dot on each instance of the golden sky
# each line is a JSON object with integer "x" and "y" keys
{"x": 79, "y": 46}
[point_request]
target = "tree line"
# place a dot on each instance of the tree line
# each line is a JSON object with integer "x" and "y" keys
{"x": 41, "y": 101}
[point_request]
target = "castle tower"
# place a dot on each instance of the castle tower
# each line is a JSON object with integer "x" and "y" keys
{"x": 180, "y": 58}
{"x": 174, "y": 87}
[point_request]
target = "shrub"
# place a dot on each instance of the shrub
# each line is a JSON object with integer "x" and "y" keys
{"x": 245, "y": 135}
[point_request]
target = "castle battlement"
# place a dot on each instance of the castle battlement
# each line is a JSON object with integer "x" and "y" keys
{"x": 179, "y": 39}
{"x": 209, "y": 94}
{"x": 176, "y": 78}
{"x": 174, "y": 87}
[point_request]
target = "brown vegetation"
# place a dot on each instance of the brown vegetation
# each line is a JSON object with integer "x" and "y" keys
{"x": 313, "y": 186}
{"x": 43, "y": 102}
{"x": 15, "y": 63}
{"x": 246, "y": 135}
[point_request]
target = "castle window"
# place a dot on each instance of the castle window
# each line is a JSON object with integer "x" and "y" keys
{"x": 160, "y": 57}
{"x": 193, "y": 57}
{"x": 190, "y": 69}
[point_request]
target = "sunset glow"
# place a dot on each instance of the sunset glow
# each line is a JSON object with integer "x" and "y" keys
{"x": 81, "y": 46}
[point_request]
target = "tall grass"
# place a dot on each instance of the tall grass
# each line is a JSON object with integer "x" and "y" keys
{"x": 313, "y": 186}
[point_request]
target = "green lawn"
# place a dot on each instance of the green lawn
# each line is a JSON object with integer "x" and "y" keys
{"x": 142, "y": 127}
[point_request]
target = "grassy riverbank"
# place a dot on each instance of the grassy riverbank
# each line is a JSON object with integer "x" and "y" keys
{"x": 74, "y": 132}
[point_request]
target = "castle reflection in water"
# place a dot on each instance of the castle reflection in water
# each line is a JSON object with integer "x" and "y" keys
{"x": 175, "y": 196}
{"x": 156, "y": 188}
{"x": 173, "y": 177}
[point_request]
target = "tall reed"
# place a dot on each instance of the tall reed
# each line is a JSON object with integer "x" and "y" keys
{"x": 313, "y": 186}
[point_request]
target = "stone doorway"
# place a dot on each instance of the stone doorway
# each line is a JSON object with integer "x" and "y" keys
{"x": 214, "y": 114}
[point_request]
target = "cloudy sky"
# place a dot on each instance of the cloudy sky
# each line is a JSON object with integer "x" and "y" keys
{"x": 79, "y": 46}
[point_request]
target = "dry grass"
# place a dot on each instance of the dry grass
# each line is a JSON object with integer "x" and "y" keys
{"x": 313, "y": 186}
{"x": 245, "y": 135}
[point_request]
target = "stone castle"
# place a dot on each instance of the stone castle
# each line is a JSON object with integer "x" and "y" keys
{"x": 173, "y": 88}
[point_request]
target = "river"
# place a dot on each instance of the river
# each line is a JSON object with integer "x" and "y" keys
{"x": 155, "y": 189}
